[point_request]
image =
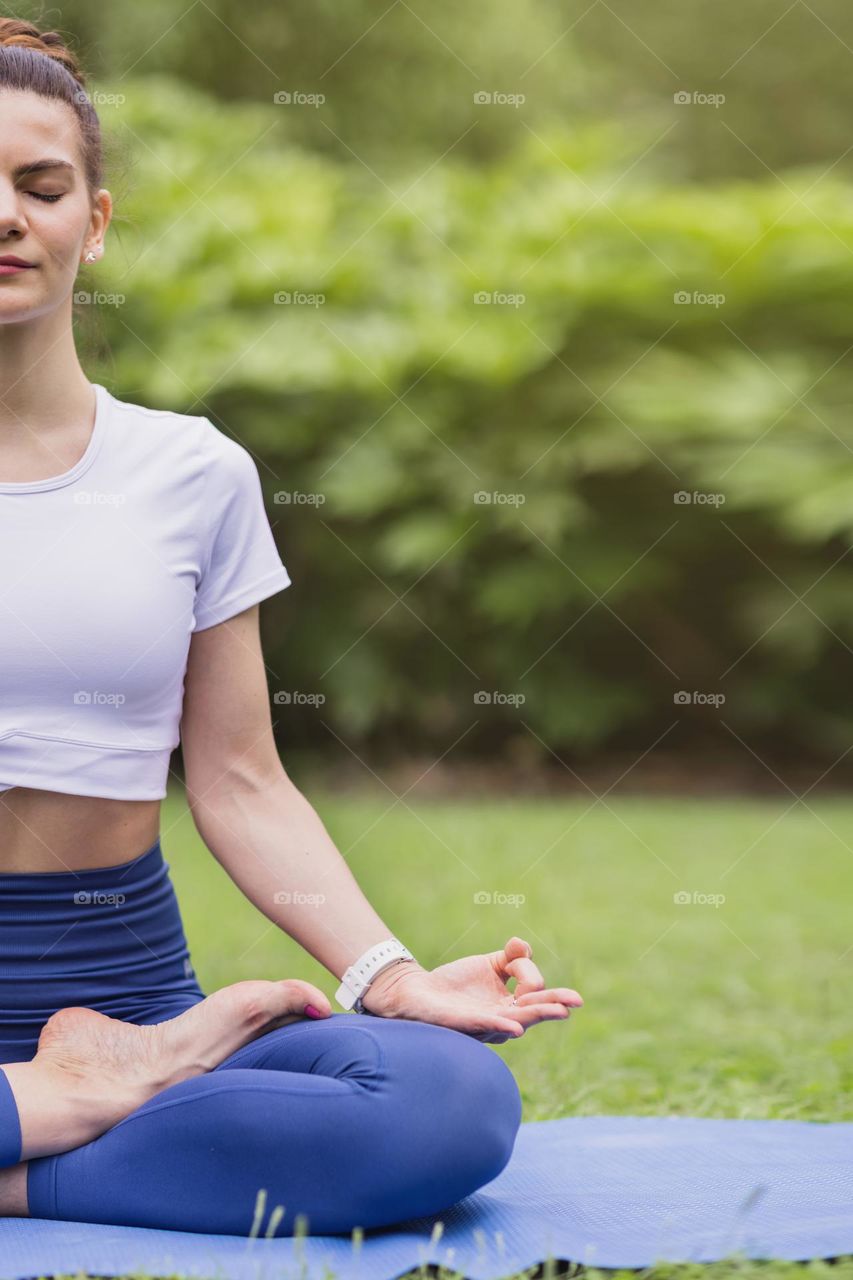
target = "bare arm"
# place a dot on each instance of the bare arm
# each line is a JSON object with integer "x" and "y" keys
{"x": 273, "y": 845}
{"x": 251, "y": 816}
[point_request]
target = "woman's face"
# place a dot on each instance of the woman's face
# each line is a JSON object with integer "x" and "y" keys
{"x": 46, "y": 216}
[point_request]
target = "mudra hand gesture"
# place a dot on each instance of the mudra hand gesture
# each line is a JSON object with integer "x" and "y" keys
{"x": 471, "y": 994}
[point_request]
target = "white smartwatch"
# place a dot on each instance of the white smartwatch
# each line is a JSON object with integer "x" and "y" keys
{"x": 362, "y": 971}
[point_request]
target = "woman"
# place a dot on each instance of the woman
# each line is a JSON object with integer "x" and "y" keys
{"x": 129, "y": 622}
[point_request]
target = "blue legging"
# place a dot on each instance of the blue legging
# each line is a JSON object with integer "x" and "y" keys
{"x": 348, "y": 1121}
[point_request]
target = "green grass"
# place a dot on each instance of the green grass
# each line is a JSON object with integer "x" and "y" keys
{"x": 739, "y": 1009}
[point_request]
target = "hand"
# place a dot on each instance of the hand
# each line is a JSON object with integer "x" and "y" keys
{"x": 470, "y": 995}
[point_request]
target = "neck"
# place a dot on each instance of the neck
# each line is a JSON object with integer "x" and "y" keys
{"x": 42, "y": 383}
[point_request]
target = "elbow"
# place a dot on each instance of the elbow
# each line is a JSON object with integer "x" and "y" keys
{"x": 239, "y": 782}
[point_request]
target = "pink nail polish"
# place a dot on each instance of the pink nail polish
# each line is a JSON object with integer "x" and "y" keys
{"x": 312, "y": 1012}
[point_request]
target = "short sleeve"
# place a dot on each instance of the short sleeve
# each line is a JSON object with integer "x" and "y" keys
{"x": 239, "y": 558}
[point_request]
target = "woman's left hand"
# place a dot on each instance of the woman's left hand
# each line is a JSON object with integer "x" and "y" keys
{"x": 471, "y": 995}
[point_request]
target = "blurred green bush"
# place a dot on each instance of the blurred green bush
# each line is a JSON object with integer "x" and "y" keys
{"x": 643, "y": 339}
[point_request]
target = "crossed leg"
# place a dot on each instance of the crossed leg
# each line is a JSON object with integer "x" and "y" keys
{"x": 349, "y": 1121}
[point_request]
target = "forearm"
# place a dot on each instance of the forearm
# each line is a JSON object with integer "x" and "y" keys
{"x": 272, "y": 843}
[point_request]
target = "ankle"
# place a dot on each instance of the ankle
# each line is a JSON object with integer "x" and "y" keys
{"x": 58, "y": 1109}
{"x": 99, "y": 1103}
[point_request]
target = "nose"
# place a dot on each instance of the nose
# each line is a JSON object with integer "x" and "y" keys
{"x": 12, "y": 224}
{"x": 11, "y": 227}
{"x": 12, "y": 220}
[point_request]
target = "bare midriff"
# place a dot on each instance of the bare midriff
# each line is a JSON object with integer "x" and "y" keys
{"x": 52, "y": 831}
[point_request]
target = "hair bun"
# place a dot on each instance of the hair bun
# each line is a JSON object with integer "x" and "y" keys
{"x": 14, "y": 32}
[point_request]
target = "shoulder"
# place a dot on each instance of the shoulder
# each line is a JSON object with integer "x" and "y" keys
{"x": 230, "y": 470}
{"x": 187, "y": 444}
{"x": 140, "y": 429}
{"x": 222, "y": 450}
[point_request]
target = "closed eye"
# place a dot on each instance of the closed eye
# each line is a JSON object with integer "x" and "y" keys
{"x": 42, "y": 195}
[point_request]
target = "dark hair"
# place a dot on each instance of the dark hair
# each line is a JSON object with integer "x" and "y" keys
{"x": 40, "y": 62}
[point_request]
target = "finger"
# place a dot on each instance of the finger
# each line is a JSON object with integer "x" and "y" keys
{"x": 513, "y": 1031}
{"x": 563, "y": 994}
{"x": 307, "y": 992}
{"x": 527, "y": 975}
{"x": 530, "y": 1014}
{"x": 494, "y": 1037}
{"x": 510, "y": 1030}
{"x": 531, "y": 1017}
{"x": 484, "y": 1027}
{"x": 517, "y": 948}
{"x": 515, "y": 962}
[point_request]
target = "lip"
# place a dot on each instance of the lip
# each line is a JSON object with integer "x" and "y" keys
{"x": 12, "y": 266}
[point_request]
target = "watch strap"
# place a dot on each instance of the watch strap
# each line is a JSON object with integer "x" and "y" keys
{"x": 362, "y": 971}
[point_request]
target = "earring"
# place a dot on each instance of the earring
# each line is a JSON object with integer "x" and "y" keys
{"x": 90, "y": 256}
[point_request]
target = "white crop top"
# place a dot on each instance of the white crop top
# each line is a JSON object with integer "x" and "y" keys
{"x": 106, "y": 570}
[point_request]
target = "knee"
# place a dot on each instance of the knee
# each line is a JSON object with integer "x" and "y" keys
{"x": 443, "y": 1109}
{"x": 493, "y": 1106}
{"x": 481, "y": 1111}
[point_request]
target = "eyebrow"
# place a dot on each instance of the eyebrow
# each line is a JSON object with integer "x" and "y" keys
{"x": 23, "y": 170}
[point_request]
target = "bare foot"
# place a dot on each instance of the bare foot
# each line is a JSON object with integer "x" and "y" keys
{"x": 90, "y": 1070}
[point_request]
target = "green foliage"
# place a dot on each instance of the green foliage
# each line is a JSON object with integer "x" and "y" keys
{"x": 583, "y": 394}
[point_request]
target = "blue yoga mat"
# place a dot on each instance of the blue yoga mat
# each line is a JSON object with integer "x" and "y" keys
{"x": 607, "y": 1191}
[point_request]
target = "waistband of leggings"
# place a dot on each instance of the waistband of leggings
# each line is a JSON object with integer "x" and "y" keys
{"x": 118, "y": 873}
